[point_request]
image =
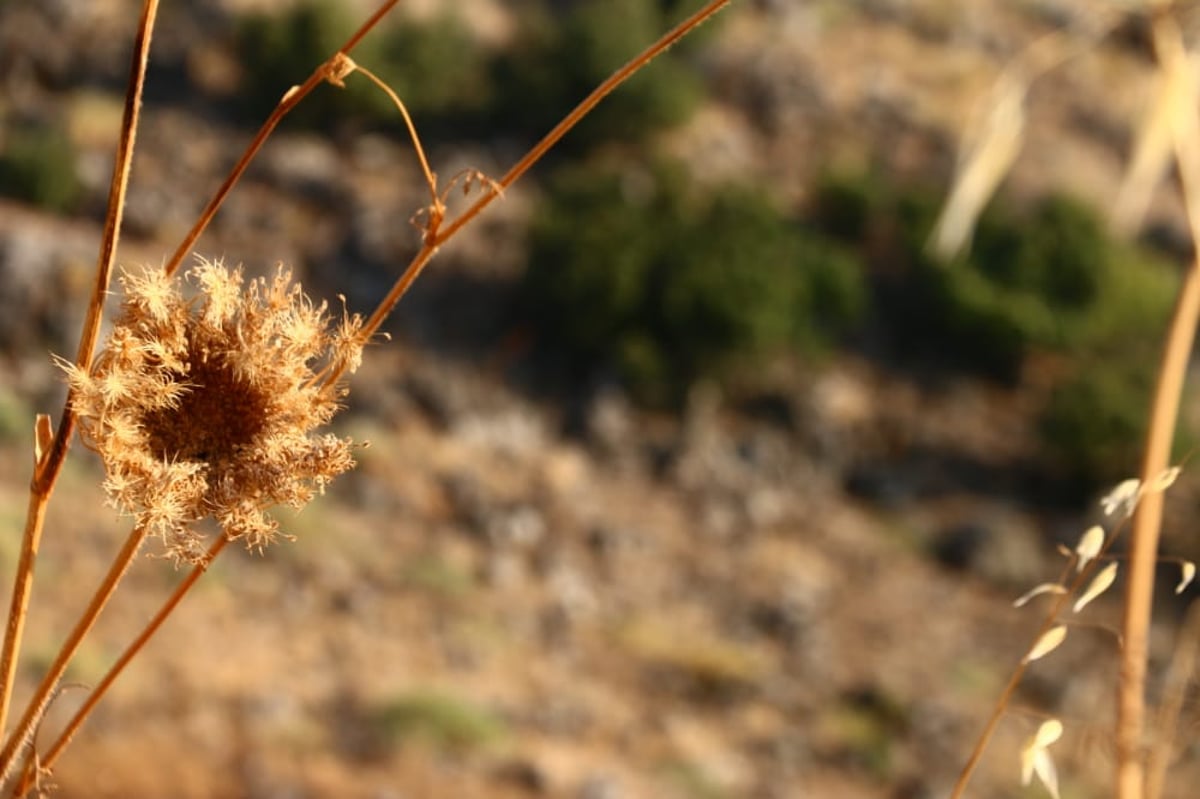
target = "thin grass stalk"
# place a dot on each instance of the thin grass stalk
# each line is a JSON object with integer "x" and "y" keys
{"x": 1143, "y": 550}
{"x": 1081, "y": 577}
{"x": 327, "y": 71}
{"x": 46, "y": 761}
{"x": 1147, "y": 523}
{"x": 22, "y": 734}
{"x": 437, "y": 238}
{"x": 48, "y": 466}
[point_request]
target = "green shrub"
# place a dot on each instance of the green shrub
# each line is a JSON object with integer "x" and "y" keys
{"x": 435, "y": 67}
{"x": 37, "y": 166}
{"x": 665, "y": 282}
{"x": 1050, "y": 278}
{"x": 1094, "y": 425}
{"x": 558, "y": 62}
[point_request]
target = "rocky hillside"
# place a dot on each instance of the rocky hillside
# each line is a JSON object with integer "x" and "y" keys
{"x": 789, "y": 583}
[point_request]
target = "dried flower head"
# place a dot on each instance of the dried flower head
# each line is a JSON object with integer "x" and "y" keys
{"x": 205, "y": 403}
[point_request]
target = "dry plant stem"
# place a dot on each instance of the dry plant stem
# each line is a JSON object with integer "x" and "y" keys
{"x": 23, "y": 732}
{"x": 47, "y": 468}
{"x": 1143, "y": 550}
{"x": 1005, "y": 698}
{"x": 1183, "y": 665}
{"x": 47, "y": 760}
{"x": 289, "y": 101}
{"x": 435, "y": 239}
{"x": 430, "y": 178}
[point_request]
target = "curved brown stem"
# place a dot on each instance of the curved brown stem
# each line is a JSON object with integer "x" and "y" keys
{"x": 47, "y": 760}
{"x": 326, "y": 71}
{"x": 23, "y": 733}
{"x": 438, "y": 238}
{"x": 48, "y": 464}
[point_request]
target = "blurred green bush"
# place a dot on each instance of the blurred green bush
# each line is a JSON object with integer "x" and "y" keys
{"x": 37, "y": 166}
{"x": 1047, "y": 279}
{"x": 434, "y": 66}
{"x": 557, "y": 61}
{"x": 644, "y": 271}
{"x": 452, "y": 85}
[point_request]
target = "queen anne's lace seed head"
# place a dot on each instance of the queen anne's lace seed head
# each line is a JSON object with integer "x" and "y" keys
{"x": 207, "y": 406}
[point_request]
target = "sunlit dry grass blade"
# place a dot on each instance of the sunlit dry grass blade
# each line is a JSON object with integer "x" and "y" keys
{"x": 1171, "y": 109}
{"x": 990, "y": 147}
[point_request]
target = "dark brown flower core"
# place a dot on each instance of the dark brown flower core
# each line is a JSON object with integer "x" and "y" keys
{"x": 216, "y": 420}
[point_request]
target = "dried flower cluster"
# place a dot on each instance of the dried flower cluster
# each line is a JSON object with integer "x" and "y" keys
{"x": 203, "y": 403}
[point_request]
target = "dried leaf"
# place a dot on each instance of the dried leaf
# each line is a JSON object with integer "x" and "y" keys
{"x": 1122, "y": 498}
{"x": 1089, "y": 546}
{"x": 1044, "y": 588}
{"x": 1047, "y": 643}
{"x": 1187, "y": 574}
{"x": 1100, "y": 583}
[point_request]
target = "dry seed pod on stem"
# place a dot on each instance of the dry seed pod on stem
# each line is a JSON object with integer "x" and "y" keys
{"x": 264, "y": 438}
{"x": 205, "y": 406}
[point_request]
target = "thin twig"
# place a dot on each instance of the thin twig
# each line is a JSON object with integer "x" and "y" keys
{"x": 47, "y": 760}
{"x": 1002, "y": 702}
{"x": 329, "y": 71}
{"x": 23, "y": 732}
{"x": 438, "y": 238}
{"x": 48, "y": 466}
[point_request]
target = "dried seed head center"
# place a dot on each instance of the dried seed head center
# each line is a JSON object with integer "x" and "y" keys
{"x": 217, "y": 418}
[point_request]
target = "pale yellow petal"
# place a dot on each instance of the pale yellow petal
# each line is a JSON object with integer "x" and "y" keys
{"x": 1089, "y": 546}
{"x": 1044, "y": 588}
{"x": 1047, "y": 643}
{"x": 1034, "y": 749}
{"x": 1043, "y": 766}
{"x": 1100, "y": 583}
{"x": 1123, "y": 497}
{"x": 1187, "y": 574}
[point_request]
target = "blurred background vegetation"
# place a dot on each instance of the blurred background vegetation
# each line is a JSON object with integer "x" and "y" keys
{"x": 637, "y": 269}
